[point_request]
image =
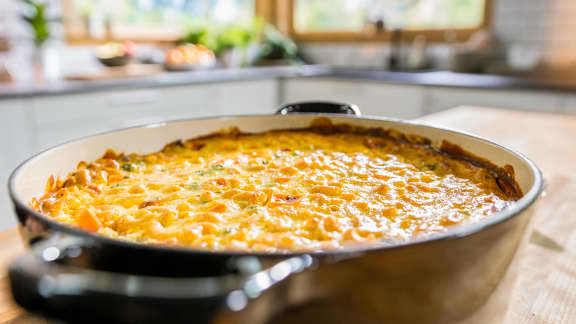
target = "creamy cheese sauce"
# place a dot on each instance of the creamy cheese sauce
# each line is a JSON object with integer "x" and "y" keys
{"x": 274, "y": 192}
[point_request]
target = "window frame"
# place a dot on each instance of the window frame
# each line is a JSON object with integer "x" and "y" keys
{"x": 286, "y": 19}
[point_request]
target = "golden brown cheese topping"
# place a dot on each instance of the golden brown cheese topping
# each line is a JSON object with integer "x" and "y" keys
{"x": 274, "y": 191}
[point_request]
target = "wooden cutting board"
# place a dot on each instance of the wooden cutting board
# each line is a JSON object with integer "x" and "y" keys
{"x": 546, "y": 289}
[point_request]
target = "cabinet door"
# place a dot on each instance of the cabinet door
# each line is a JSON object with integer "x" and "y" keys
{"x": 65, "y": 117}
{"x": 373, "y": 98}
{"x": 446, "y": 98}
{"x": 390, "y": 100}
{"x": 248, "y": 97}
{"x": 197, "y": 100}
{"x": 568, "y": 104}
{"x": 16, "y": 144}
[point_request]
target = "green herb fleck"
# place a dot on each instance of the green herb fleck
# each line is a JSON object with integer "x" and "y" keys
{"x": 252, "y": 207}
{"x": 218, "y": 167}
{"x": 194, "y": 186}
{"x": 226, "y": 231}
{"x": 264, "y": 162}
{"x": 127, "y": 167}
{"x": 116, "y": 185}
{"x": 202, "y": 173}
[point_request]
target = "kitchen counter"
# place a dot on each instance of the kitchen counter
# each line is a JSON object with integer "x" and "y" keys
{"x": 425, "y": 78}
{"x": 162, "y": 80}
{"x": 546, "y": 289}
{"x": 457, "y": 80}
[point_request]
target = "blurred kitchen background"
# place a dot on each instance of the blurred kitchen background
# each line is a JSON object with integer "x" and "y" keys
{"x": 70, "y": 68}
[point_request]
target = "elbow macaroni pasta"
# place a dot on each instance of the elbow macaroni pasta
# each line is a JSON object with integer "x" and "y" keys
{"x": 275, "y": 191}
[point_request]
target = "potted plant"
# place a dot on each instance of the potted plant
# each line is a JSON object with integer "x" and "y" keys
{"x": 202, "y": 35}
{"x": 240, "y": 43}
{"x": 235, "y": 44}
{"x": 35, "y": 14}
{"x": 277, "y": 48}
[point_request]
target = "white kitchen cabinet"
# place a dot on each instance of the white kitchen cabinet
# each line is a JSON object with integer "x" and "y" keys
{"x": 373, "y": 98}
{"x": 248, "y": 97}
{"x": 16, "y": 144}
{"x": 61, "y": 118}
{"x": 568, "y": 104}
{"x": 64, "y": 117}
{"x": 410, "y": 101}
{"x": 439, "y": 99}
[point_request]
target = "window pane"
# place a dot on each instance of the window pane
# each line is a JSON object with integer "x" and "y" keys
{"x": 329, "y": 15}
{"x": 157, "y": 18}
{"x": 353, "y": 15}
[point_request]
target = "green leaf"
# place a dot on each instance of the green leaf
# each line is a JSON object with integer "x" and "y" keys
{"x": 37, "y": 20}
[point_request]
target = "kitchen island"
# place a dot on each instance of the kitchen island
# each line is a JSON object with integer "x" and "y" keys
{"x": 546, "y": 289}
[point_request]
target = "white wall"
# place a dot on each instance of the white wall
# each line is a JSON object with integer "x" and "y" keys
{"x": 523, "y": 22}
{"x": 524, "y": 26}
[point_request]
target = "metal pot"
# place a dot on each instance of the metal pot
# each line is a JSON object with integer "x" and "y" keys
{"x": 461, "y": 276}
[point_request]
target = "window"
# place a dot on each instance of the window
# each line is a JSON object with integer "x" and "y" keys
{"x": 354, "y": 19}
{"x": 148, "y": 19}
{"x": 303, "y": 20}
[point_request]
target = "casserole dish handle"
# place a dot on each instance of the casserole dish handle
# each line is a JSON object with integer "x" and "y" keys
{"x": 323, "y": 107}
{"x": 43, "y": 283}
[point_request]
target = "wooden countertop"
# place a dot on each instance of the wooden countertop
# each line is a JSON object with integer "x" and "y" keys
{"x": 546, "y": 289}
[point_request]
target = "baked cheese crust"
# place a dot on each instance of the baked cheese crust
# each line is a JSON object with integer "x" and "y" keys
{"x": 275, "y": 191}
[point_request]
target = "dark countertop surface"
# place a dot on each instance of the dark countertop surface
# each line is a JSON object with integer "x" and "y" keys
{"x": 427, "y": 78}
{"x": 11, "y": 91}
{"x": 454, "y": 79}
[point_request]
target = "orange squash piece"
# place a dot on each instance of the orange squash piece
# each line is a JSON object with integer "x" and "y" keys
{"x": 88, "y": 222}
